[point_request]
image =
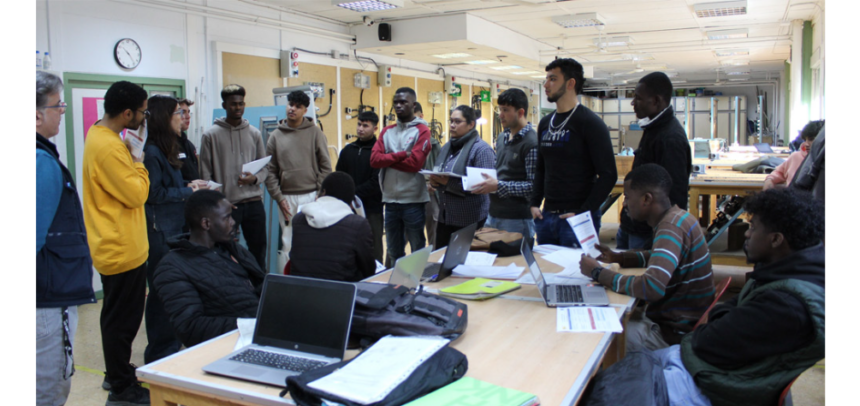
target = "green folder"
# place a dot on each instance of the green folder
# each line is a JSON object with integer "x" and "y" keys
{"x": 479, "y": 289}
{"x": 472, "y": 392}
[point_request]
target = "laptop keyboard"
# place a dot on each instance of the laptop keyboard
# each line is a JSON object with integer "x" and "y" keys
{"x": 568, "y": 293}
{"x": 431, "y": 269}
{"x": 274, "y": 360}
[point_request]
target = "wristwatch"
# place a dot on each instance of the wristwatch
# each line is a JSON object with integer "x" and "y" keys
{"x": 595, "y": 273}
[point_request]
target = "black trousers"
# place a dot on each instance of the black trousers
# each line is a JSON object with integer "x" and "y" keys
{"x": 251, "y": 216}
{"x": 376, "y": 226}
{"x": 160, "y": 336}
{"x": 122, "y": 312}
{"x": 444, "y": 232}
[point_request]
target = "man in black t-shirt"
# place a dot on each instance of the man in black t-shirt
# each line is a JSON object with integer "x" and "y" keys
{"x": 575, "y": 164}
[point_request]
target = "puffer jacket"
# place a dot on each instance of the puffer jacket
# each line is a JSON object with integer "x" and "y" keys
{"x": 204, "y": 292}
{"x": 330, "y": 242}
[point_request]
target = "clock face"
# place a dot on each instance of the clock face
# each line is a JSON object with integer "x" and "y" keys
{"x": 127, "y": 53}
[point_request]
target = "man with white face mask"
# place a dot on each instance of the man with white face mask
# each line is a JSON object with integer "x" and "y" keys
{"x": 664, "y": 143}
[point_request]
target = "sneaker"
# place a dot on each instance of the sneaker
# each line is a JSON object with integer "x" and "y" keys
{"x": 134, "y": 395}
{"x": 106, "y": 384}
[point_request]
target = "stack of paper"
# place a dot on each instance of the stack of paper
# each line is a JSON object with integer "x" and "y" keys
{"x": 569, "y": 276}
{"x": 547, "y": 248}
{"x": 588, "y": 320}
{"x": 470, "y": 391}
{"x": 372, "y": 375}
{"x": 479, "y": 289}
{"x": 439, "y": 173}
{"x": 476, "y": 258}
{"x": 475, "y": 176}
{"x": 511, "y": 271}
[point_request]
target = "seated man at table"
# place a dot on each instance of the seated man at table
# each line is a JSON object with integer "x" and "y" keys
{"x": 677, "y": 284}
{"x": 329, "y": 240}
{"x": 756, "y": 344}
{"x": 208, "y": 280}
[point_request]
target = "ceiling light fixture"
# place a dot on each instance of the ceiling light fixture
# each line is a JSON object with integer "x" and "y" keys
{"x": 740, "y": 72}
{"x": 679, "y": 81}
{"x": 506, "y": 67}
{"x": 452, "y": 55}
{"x": 579, "y": 20}
{"x": 732, "y": 52}
{"x": 738, "y": 79}
{"x": 613, "y": 41}
{"x": 538, "y": 76}
{"x": 728, "y": 34}
{"x": 526, "y": 72}
{"x": 735, "y": 62}
{"x": 368, "y": 5}
{"x": 721, "y": 9}
{"x": 481, "y": 62}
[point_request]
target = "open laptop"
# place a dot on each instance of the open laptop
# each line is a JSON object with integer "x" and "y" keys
{"x": 408, "y": 270}
{"x": 455, "y": 254}
{"x": 764, "y": 148}
{"x": 560, "y": 295}
{"x": 302, "y": 324}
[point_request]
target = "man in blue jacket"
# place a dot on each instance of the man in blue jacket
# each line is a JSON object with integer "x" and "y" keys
{"x": 64, "y": 268}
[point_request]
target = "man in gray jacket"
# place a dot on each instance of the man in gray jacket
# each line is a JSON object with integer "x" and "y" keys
{"x": 300, "y": 162}
{"x": 224, "y": 148}
{"x": 400, "y": 153}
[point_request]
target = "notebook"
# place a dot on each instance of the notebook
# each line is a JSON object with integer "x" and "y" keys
{"x": 555, "y": 295}
{"x": 470, "y": 391}
{"x": 479, "y": 289}
{"x": 302, "y": 324}
{"x": 458, "y": 250}
{"x": 408, "y": 270}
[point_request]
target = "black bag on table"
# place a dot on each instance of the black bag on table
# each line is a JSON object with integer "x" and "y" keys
{"x": 384, "y": 309}
{"x": 444, "y": 367}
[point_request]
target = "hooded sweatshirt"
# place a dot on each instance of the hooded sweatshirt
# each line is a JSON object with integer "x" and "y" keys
{"x": 223, "y": 151}
{"x": 330, "y": 242}
{"x": 300, "y": 159}
{"x": 398, "y": 175}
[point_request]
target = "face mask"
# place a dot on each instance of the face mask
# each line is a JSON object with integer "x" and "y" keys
{"x": 645, "y": 121}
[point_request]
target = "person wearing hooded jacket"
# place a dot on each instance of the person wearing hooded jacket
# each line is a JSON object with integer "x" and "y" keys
{"x": 207, "y": 280}
{"x": 300, "y": 162}
{"x": 330, "y": 241}
{"x": 224, "y": 148}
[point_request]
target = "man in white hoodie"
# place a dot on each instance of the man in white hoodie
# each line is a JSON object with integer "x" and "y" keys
{"x": 329, "y": 240}
{"x": 224, "y": 148}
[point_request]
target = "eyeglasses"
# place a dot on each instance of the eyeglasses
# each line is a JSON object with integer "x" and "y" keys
{"x": 179, "y": 112}
{"x": 145, "y": 113}
{"x": 60, "y": 105}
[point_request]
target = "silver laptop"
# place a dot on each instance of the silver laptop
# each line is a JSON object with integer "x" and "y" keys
{"x": 455, "y": 254}
{"x": 763, "y": 148}
{"x": 408, "y": 270}
{"x": 560, "y": 295}
{"x": 302, "y": 324}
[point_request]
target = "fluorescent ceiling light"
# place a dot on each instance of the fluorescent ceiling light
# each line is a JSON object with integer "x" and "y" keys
{"x": 732, "y": 52}
{"x": 729, "y": 34}
{"x": 578, "y": 20}
{"x": 481, "y": 62}
{"x": 679, "y": 81}
{"x": 740, "y": 72}
{"x": 506, "y": 67}
{"x": 613, "y": 41}
{"x": 452, "y": 55}
{"x": 738, "y": 79}
{"x": 538, "y": 76}
{"x": 368, "y": 5}
{"x": 735, "y": 62}
{"x": 721, "y": 9}
{"x": 637, "y": 57}
{"x": 525, "y": 72}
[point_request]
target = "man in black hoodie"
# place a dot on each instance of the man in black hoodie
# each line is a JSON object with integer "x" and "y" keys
{"x": 354, "y": 159}
{"x": 208, "y": 280}
{"x": 664, "y": 143}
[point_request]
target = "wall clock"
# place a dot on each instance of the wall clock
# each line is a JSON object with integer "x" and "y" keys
{"x": 127, "y": 53}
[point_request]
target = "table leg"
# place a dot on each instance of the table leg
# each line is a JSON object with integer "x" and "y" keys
{"x": 705, "y": 221}
{"x": 694, "y": 202}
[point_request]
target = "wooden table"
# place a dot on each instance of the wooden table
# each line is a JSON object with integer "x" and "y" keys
{"x": 511, "y": 341}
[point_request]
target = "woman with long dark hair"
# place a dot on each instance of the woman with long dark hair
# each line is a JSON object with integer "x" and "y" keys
{"x": 164, "y": 212}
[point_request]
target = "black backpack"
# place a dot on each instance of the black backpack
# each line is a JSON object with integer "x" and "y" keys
{"x": 384, "y": 309}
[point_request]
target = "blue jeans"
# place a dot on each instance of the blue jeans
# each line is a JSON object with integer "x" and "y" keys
{"x": 553, "y": 230}
{"x": 627, "y": 241}
{"x": 526, "y": 227}
{"x": 403, "y": 219}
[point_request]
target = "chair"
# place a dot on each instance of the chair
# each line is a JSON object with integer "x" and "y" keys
{"x": 721, "y": 288}
{"x": 785, "y": 397}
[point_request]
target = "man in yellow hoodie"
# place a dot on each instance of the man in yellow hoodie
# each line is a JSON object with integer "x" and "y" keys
{"x": 116, "y": 185}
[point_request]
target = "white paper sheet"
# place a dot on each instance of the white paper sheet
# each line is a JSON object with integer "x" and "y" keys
{"x": 256, "y": 166}
{"x": 566, "y": 276}
{"x": 246, "y": 332}
{"x": 585, "y": 233}
{"x": 567, "y": 258}
{"x": 511, "y": 271}
{"x": 380, "y": 368}
{"x": 474, "y": 176}
{"x": 547, "y": 248}
{"x": 379, "y": 267}
{"x": 213, "y": 185}
{"x": 137, "y": 140}
{"x": 480, "y": 259}
{"x": 439, "y": 173}
{"x": 588, "y": 320}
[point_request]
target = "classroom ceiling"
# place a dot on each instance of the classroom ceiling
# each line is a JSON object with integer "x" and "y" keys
{"x": 665, "y": 35}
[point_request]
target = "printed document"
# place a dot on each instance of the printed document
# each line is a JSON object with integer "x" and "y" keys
{"x": 256, "y": 166}
{"x": 588, "y": 320}
{"x": 137, "y": 140}
{"x": 585, "y": 233}
{"x": 474, "y": 176}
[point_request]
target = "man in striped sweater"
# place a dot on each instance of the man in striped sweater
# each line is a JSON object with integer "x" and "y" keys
{"x": 678, "y": 284}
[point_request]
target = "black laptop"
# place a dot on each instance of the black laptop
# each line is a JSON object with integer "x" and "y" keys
{"x": 455, "y": 254}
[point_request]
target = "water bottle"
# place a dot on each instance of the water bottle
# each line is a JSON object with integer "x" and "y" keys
{"x": 46, "y": 61}
{"x": 38, "y": 60}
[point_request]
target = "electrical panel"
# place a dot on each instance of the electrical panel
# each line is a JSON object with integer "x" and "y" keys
{"x": 436, "y": 97}
{"x": 289, "y": 64}
{"x": 317, "y": 88}
{"x": 450, "y": 85}
{"x": 362, "y": 81}
{"x": 384, "y": 76}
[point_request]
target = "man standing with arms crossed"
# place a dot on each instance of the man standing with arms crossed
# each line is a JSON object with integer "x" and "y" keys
{"x": 224, "y": 148}
{"x": 400, "y": 153}
{"x": 575, "y": 165}
{"x": 116, "y": 186}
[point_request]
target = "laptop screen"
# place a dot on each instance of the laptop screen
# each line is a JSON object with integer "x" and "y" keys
{"x": 458, "y": 248}
{"x": 304, "y": 314}
{"x": 533, "y": 268}
{"x": 764, "y": 148}
{"x": 407, "y": 270}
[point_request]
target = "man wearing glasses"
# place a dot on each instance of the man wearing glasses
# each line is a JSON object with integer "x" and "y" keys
{"x": 116, "y": 186}
{"x": 187, "y": 151}
{"x": 59, "y": 220}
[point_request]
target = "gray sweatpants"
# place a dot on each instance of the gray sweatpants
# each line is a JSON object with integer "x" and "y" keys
{"x": 53, "y": 381}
